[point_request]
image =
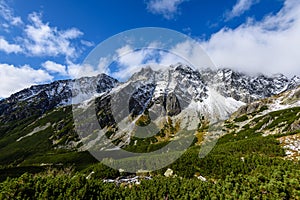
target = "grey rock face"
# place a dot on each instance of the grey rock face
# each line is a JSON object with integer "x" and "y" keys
{"x": 172, "y": 105}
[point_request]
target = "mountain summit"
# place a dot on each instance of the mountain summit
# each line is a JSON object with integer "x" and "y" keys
{"x": 232, "y": 87}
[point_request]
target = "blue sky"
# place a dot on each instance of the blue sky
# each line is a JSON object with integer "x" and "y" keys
{"x": 42, "y": 41}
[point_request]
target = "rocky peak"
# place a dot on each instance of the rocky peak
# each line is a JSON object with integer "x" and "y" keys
{"x": 184, "y": 69}
{"x": 295, "y": 81}
{"x": 243, "y": 87}
{"x": 38, "y": 99}
{"x": 144, "y": 73}
{"x": 179, "y": 78}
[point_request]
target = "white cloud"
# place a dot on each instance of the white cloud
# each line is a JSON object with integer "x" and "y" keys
{"x": 8, "y": 15}
{"x": 126, "y": 61}
{"x": 130, "y": 61}
{"x": 78, "y": 70}
{"x": 133, "y": 58}
{"x": 269, "y": 46}
{"x": 16, "y": 21}
{"x": 54, "y": 67}
{"x": 103, "y": 66}
{"x": 73, "y": 70}
{"x": 87, "y": 43}
{"x": 44, "y": 40}
{"x": 14, "y": 79}
{"x": 124, "y": 50}
{"x": 39, "y": 38}
{"x": 9, "y": 48}
{"x": 189, "y": 52}
{"x": 240, "y": 7}
{"x": 167, "y": 8}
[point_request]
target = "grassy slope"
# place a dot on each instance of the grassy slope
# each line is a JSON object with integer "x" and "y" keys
{"x": 29, "y": 153}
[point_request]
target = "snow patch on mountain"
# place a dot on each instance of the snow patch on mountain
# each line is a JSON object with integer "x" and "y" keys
{"x": 217, "y": 107}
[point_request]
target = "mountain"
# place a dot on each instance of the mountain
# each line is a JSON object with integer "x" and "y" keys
{"x": 39, "y": 99}
{"x": 37, "y": 125}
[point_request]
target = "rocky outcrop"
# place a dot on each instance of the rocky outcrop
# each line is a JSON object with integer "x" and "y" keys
{"x": 172, "y": 105}
{"x": 295, "y": 126}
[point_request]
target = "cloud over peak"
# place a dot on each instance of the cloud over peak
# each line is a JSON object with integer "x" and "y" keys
{"x": 269, "y": 46}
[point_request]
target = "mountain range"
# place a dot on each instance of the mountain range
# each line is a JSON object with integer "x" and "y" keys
{"x": 37, "y": 123}
{"x": 240, "y": 87}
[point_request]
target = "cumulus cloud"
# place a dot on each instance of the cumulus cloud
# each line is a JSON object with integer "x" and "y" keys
{"x": 14, "y": 79}
{"x": 167, "y": 8}
{"x": 73, "y": 70}
{"x": 44, "y": 40}
{"x": 39, "y": 38}
{"x": 8, "y": 15}
{"x": 268, "y": 46}
{"x": 130, "y": 60}
{"x": 54, "y": 67}
{"x": 121, "y": 64}
{"x": 189, "y": 52}
{"x": 240, "y": 8}
{"x": 103, "y": 66}
{"x": 85, "y": 70}
{"x": 9, "y": 48}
